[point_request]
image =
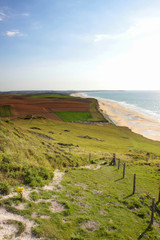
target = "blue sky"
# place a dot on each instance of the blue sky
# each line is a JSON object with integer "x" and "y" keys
{"x": 79, "y": 44}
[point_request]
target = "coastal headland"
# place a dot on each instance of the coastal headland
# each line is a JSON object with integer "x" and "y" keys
{"x": 57, "y": 180}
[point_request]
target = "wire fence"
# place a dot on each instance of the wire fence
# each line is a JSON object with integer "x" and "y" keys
{"x": 138, "y": 184}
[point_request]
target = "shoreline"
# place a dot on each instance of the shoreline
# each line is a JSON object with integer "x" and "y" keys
{"x": 121, "y": 116}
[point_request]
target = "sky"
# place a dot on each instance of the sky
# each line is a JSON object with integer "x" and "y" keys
{"x": 79, "y": 45}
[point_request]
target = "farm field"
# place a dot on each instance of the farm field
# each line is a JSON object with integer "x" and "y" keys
{"x": 50, "y": 106}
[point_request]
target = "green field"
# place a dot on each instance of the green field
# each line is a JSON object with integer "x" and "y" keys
{"x": 6, "y": 111}
{"x": 75, "y": 116}
{"x": 96, "y": 204}
{"x": 52, "y": 96}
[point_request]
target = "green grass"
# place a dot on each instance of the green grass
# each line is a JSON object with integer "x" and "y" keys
{"x": 94, "y": 109}
{"x": 6, "y": 111}
{"x": 75, "y": 116}
{"x": 30, "y": 150}
{"x": 100, "y": 197}
{"x": 103, "y": 197}
{"x": 63, "y": 144}
{"x": 93, "y": 115}
{"x": 51, "y": 96}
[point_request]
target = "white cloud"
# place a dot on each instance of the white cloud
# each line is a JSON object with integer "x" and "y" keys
{"x": 136, "y": 68}
{"x": 15, "y": 33}
{"x": 25, "y": 14}
{"x": 2, "y": 16}
{"x": 146, "y": 26}
{"x": 101, "y": 37}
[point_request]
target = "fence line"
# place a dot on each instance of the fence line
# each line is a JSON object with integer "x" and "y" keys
{"x": 136, "y": 183}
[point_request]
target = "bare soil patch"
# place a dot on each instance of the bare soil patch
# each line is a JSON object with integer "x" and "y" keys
{"x": 21, "y": 206}
{"x": 10, "y": 230}
{"x": 56, "y": 207}
{"x": 90, "y": 225}
{"x": 97, "y": 192}
{"x": 56, "y": 181}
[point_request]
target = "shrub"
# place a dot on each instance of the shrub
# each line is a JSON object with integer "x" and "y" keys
{"x": 4, "y": 188}
{"x": 133, "y": 203}
{"x": 76, "y": 237}
{"x": 142, "y": 213}
{"x": 37, "y": 176}
{"x": 34, "y": 196}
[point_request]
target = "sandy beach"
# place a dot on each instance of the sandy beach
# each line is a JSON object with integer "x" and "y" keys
{"x": 121, "y": 116}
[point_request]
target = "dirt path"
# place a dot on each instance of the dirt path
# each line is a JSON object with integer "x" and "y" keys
{"x": 93, "y": 167}
{"x": 56, "y": 181}
{"x": 9, "y": 231}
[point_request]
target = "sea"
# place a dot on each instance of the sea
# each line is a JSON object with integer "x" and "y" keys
{"x": 143, "y": 102}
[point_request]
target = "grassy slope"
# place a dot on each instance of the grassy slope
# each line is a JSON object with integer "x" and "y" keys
{"x": 103, "y": 197}
{"x": 94, "y": 109}
{"x": 99, "y": 196}
{"x": 78, "y": 140}
{"x": 116, "y": 139}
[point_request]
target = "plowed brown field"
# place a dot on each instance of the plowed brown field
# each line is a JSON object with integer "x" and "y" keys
{"x": 46, "y": 107}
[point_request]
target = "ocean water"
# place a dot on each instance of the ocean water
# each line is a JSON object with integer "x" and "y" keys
{"x": 144, "y": 102}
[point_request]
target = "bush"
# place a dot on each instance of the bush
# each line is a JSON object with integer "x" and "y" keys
{"x": 77, "y": 238}
{"x": 4, "y": 188}
{"x": 37, "y": 176}
{"x": 142, "y": 213}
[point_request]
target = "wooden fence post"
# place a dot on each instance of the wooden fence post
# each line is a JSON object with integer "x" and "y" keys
{"x": 124, "y": 168}
{"x": 118, "y": 164}
{"x": 153, "y": 209}
{"x": 114, "y": 159}
{"x": 134, "y": 183}
{"x": 159, "y": 196}
{"x": 159, "y": 192}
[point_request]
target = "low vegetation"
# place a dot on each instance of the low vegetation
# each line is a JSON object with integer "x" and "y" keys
{"x": 61, "y": 145}
{"x": 95, "y": 111}
{"x": 6, "y": 111}
{"x": 51, "y": 96}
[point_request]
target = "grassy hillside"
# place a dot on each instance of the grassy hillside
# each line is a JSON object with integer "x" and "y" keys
{"x": 58, "y": 145}
{"x": 94, "y": 203}
{"x": 95, "y": 111}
